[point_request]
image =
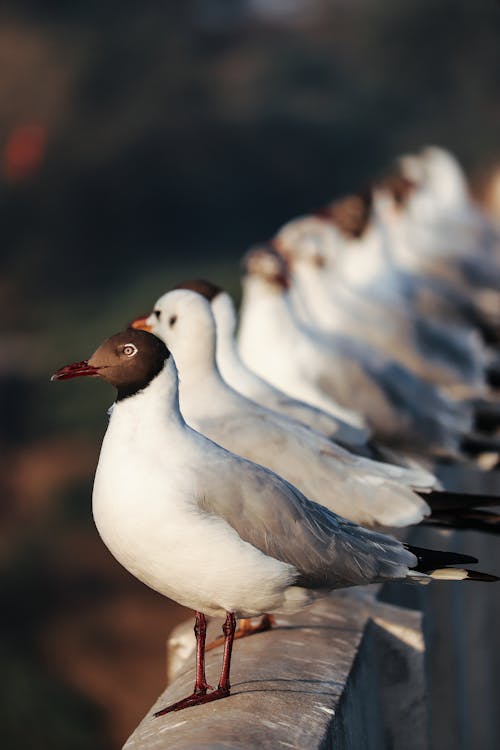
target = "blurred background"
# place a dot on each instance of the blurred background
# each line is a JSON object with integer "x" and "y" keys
{"x": 140, "y": 144}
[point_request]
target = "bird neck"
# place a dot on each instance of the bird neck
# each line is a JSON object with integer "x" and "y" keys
{"x": 317, "y": 297}
{"x": 258, "y": 292}
{"x": 364, "y": 258}
{"x": 265, "y": 316}
{"x": 154, "y": 408}
{"x": 195, "y": 358}
{"x": 225, "y": 319}
{"x": 264, "y": 305}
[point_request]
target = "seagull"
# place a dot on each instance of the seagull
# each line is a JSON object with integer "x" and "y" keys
{"x": 399, "y": 407}
{"x": 439, "y": 353}
{"x": 213, "y": 531}
{"x": 448, "y": 234}
{"x": 364, "y": 491}
{"x": 249, "y": 384}
{"x": 352, "y": 285}
{"x": 240, "y": 378}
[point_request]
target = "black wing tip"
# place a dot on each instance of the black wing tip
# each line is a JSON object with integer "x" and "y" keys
{"x": 475, "y": 444}
{"x": 476, "y": 575}
{"x": 466, "y": 520}
{"x": 430, "y": 559}
{"x": 443, "y": 500}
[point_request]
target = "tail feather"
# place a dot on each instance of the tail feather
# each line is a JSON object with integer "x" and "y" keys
{"x": 471, "y": 520}
{"x": 435, "y": 564}
{"x": 486, "y": 415}
{"x": 461, "y": 574}
{"x": 431, "y": 559}
{"x": 474, "y": 444}
{"x": 442, "y": 500}
{"x": 493, "y": 375}
{"x": 476, "y": 575}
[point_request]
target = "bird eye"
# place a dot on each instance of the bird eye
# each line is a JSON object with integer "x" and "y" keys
{"x": 157, "y": 313}
{"x": 172, "y": 320}
{"x": 129, "y": 350}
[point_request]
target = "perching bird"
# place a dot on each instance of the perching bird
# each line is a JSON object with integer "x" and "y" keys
{"x": 399, "y": 407}
{"x": 352, "y": 286}
{"x": 248, "y": 383}
{"x": 447, "y": 233}
{"x": 175, "y": 509}
{"x": 364, "y": 491}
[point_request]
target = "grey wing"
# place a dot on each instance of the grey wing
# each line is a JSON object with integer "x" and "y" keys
{"x": 327, "y": 550}
{"x": 426, "y": 412}
{"x": 346, "y": 379}
{"x": 456, "y": 348}
{"x": 431, "y": 415}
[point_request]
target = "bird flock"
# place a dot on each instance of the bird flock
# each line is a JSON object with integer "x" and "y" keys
{"x": 248, "y": 476}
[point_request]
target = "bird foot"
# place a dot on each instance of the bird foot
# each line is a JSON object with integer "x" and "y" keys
{"x": 245, "y": 629}
{"x": 195, "y": 699}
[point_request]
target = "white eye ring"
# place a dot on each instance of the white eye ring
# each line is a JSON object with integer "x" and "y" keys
{"x": 130, "y": 350}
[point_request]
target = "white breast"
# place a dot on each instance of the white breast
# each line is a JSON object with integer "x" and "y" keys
{"x": 147, "y": 515}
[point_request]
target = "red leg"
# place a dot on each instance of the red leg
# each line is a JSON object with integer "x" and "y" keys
{"x": 200, "y": 630}
{"x": 200, "y": 695}
{"x": 246, "y": 628}
{"x": 228, "y": 629}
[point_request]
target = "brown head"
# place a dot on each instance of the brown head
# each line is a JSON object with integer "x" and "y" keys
{"x": 397, "y": 185}
{"x": 128, "y": 360}
{"x": 265, "y": 262}
{"x": 350, "y": 214}
{"x": 205, "y": 288}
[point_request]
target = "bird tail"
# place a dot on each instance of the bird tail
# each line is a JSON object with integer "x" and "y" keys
{"x": 436, "y": 565}
{"x": 469, "y": 520}
{"x": 493, "y": 374}
{"x": 473, "y": 444}
{"x": 443, "y": 500}
{"x": 486, "y": 415}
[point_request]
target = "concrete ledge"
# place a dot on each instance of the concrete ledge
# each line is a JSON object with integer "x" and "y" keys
{"x": 346, "y": 673}
{"x": 462, "y": 637}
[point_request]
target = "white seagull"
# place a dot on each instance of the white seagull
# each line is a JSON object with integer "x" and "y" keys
{"x": 447, "y": 235}
{"x": 353, "y": 285}
{"x": 248, "y": 383}
{"x": 212, "y": 530}
{"x": 362, "y": 490}
{"x": 401, "y": 408}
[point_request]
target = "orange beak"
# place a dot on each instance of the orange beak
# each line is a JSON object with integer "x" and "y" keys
{"x": 141, "y": 324}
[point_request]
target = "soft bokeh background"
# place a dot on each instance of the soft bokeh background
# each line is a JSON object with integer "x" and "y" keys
{"x": 141, "y": 143}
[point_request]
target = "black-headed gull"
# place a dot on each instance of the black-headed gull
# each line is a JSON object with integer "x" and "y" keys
{"x": 447, "y": 235}
{"x": 247, "y": 382}
{"x": 352, "y": 285}
{"x": 364, "y": 491}
{"x": 399, "y": 407}
{"x": 211, "y": 530}
{"x": 242, "y": 379}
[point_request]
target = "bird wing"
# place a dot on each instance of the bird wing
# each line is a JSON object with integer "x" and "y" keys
{"x": 367, "y": 492}
{"x": 272, "y": 515}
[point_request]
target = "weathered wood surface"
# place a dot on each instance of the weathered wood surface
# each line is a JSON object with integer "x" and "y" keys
{"x": 346, "y": 673}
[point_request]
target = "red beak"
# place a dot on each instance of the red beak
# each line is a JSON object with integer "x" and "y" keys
{"x": 76, "y": 370}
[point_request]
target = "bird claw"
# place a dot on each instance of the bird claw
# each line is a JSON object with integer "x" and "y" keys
{"x": 195, "y": 699}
